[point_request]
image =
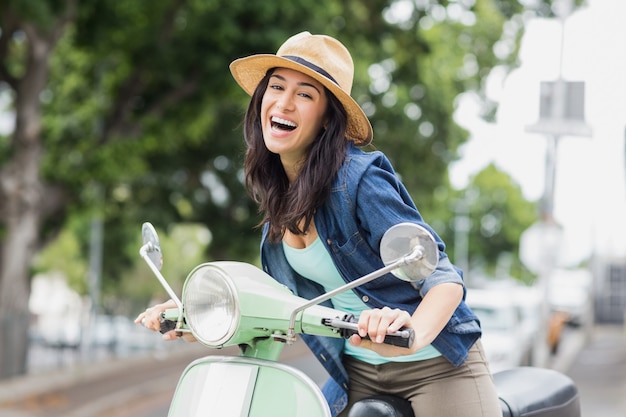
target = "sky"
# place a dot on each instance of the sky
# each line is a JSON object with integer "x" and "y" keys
{"x": 590, "y": 186}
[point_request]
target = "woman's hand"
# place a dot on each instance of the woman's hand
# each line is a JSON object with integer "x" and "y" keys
{"x": 427, "y": 322}
{"x": 151, "y": 319}
{"x": 376, "y": 323}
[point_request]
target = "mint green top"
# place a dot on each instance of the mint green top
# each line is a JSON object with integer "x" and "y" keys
{"x": 314, "y": 263}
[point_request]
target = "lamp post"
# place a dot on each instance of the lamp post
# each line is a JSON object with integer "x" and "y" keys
{"x": 561, "y": 113}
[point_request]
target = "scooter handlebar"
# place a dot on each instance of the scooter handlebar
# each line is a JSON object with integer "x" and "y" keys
{"x": 166, "y": 324}
{"x": 347, "y": 326}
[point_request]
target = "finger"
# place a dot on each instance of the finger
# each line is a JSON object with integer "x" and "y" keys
{"x": 368, "y": 323}
{"x": 171, "y": 335}
{"x": 403, "y": 319}
{"x": 188, "y": 337}
{"x": 355, "y": 340}
{"x": 379, "y": 323}
{"x": 140, "y": 317}
{"x": 363, "y": 323}
{"x": 150, "y": 323}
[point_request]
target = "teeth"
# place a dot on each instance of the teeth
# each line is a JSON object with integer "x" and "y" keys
{"x": 283, "y": 121}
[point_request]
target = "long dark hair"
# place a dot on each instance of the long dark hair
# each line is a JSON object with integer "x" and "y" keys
{"x": 282, "y": 204}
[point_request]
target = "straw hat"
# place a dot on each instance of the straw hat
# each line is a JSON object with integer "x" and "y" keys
{"x": 321, "y": 57}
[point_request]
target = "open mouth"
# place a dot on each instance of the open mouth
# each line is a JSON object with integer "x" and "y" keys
{"x": 282, "y": 124}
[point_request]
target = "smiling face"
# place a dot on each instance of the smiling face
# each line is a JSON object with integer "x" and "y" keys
{"x": 292, "y": 115}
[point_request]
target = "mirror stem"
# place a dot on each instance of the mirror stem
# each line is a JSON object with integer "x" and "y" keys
{"x": 143, "y": 252}
{"x": 414, "y": 256}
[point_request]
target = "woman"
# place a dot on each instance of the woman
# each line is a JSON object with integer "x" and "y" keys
{"x": 326, "y": 205}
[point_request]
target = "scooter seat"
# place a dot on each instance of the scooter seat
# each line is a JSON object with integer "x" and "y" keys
{"x": 381, "y": 406}
{"x": 536, "y": 392}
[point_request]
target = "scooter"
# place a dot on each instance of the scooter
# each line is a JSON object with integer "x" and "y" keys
{"x": 229, "y": 303}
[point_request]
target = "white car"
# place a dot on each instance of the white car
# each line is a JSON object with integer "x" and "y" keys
{"x": 506, "y": 345}
{"x": 531, "y": 302}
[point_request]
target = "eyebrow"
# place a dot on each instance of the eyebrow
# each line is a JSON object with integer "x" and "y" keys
{"x": 301, "y": 83}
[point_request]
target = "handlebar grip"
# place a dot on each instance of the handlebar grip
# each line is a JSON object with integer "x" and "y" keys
{"x": 347, "y": 326}
{"x": 167, "y": 325}
{"x": 402, "y": 338}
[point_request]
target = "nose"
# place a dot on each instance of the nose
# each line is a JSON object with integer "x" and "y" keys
{"x": 284, "y": 103}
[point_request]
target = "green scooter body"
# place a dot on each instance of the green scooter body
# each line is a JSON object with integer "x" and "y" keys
{"x": 228, "y": 303}
{"x": 228, "y": 386}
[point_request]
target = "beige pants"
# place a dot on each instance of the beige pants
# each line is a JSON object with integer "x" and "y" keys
{"x": 435, "y": 387}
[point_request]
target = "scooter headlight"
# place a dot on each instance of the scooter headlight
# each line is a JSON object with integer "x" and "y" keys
{"x": 211, "y": 305}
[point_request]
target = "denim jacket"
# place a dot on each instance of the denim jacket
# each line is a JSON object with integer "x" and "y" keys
{"x": 366, "y": 199}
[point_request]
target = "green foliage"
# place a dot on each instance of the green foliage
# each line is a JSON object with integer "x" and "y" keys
{"x": 39, "y": 12}
{"x": 498, "y": 214}
{"x": 65, "y": 255}
{"x": 183, "y": 247}
{"x": 142, "y": 118}
{"x": 428, "y": 57}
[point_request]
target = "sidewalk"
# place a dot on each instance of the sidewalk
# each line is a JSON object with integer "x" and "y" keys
{"x": 599, "y": 371}
{"x": 29, "y": 385}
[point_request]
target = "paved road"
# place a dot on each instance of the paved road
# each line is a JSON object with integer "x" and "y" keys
{"x": 144, "y": 386}
{"x": 139, "y": 387}
{"x": 599, "y": 371}
{"x": 91, "y": 390}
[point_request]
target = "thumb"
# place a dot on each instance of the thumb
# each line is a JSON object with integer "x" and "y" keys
{"x": 356, "y": 340}
{"x": 171, "y": 335}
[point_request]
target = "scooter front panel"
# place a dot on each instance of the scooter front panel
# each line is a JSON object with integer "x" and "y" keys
{"x": 215, "y": 389}
{"x": 245, "y": 387}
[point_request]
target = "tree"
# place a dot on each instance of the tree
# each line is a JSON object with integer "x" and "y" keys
{"x": 24, "y": 199}
{"x": 498, "y": 214}
{"x": 126, "y": 111}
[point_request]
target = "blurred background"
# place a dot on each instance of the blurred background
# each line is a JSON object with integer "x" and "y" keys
{"x": 504, "y": 118}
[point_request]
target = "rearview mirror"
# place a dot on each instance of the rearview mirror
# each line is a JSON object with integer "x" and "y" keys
{"x": 150, "y": 240}
{"x": 404, "y": 239}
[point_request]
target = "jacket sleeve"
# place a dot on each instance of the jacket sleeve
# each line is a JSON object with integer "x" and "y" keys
{"x": 382, "y": 201}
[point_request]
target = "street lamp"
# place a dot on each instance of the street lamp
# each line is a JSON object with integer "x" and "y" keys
{"x": 561, "y": 113}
